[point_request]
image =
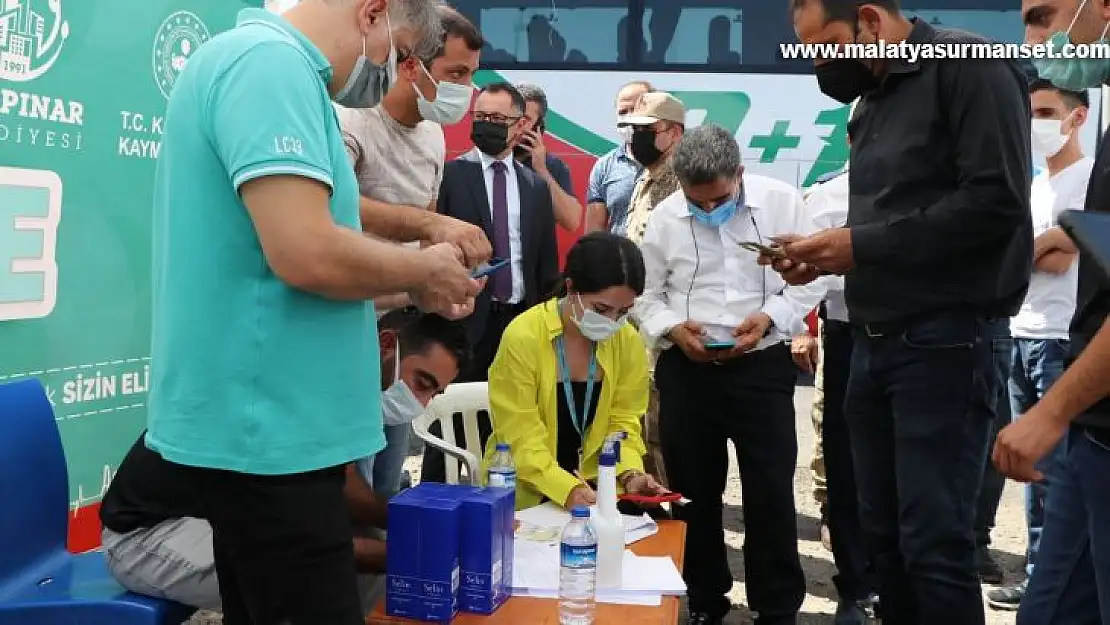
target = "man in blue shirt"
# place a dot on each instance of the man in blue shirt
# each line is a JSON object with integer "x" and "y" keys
{"x": 614, "y": 175}
{"x": 265, "y": 349}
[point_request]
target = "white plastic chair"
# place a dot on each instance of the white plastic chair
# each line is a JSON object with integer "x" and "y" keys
{"x": 467, "y": 399}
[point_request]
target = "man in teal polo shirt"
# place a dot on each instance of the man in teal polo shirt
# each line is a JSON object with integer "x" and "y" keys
{"x": 265, "y": 356}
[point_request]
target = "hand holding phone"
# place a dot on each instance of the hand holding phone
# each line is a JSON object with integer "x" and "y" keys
{"x": 719, "y": 345}
{"x": 487, "y": 268}
{"x": 759, "y": 248}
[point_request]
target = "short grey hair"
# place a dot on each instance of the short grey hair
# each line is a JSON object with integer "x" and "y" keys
{"x": 534, "y": 93}
{"x": 706, "y": 154}
{"x": 422, "y": 17}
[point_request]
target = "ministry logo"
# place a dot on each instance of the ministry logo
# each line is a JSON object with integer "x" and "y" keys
{"x": 176, "y": 40}
{"x": 32, "y": 33}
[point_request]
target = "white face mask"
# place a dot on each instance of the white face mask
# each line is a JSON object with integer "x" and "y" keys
{"x": 593, "y": 325}
{"x": 399, "y": 404}
{"x": 451, "y": 103}
{"x": 624, "y": 131}
{"x": 1048, "y": 136}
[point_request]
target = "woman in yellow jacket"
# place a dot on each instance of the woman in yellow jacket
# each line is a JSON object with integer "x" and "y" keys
{"x": 568, "y": 373}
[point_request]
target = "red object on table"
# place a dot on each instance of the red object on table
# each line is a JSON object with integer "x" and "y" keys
{"x": 651, "y": 499}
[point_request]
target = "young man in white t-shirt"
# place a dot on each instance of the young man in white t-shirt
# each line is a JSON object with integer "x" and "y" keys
{"x": 398, "y": 150}
{"x": 1040, "y": 329}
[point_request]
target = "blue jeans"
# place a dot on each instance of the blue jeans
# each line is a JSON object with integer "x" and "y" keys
{"x": 1036, "y": 364}
{"x": 387, "y": 464}
{"x": 990, "y": 494}
{"x": 1072, "y": 583}
{"x": 920, "y": 403}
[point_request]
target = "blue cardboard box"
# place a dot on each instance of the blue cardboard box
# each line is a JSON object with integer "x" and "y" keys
{"x": 508, "y": 513}
{"x": 486, "y": 551}
{"x": 445, "y": 491}
{"x": 422, "y": 557}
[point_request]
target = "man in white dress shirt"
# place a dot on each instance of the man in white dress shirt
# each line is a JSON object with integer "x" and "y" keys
{"x": 725, "y": 372}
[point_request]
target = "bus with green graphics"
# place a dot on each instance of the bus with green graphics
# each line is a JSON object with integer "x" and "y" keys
{"x": 720, "y": 57}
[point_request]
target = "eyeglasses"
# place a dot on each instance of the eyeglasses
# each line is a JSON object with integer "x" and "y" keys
{"x": 497, "y": 118}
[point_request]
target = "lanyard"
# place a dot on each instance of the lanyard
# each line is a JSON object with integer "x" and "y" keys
{"x": 568, "y": 390}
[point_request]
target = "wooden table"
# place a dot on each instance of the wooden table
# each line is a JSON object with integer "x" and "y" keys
{"x": 670, "y": 541}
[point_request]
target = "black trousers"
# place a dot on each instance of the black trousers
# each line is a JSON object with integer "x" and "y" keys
{"x": 855, "y": 579}
{"x": 484, "y": 351}
{"x": 283, "y": 547}
{"x": 750, "y": 401}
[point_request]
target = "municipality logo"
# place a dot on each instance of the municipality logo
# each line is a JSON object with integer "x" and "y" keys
{"x": 32, "y": 33}
{"x": 177, "y": 39}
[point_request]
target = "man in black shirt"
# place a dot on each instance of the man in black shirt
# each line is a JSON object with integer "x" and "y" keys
{"x": 1071, "y": 582}
{"x": 155, "y": 536}
{"x": 938, "y": 246}
{"x": 532, "y": 152}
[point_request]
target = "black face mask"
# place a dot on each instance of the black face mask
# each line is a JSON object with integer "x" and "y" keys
{"x": 490, "y": 137}
{"x": 643, "y": 147}
{"x": 845, "y": 80}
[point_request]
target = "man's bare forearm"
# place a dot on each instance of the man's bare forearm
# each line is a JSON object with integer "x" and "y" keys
{"x": 1052, "y": 240}
{"x": 392, "y": 302}
{"x": 396, "y": 222}
{"x": 568, "y": 212}
{"x": 597, "y": 217}
{"x": 1054, "y": 262}
{"x": 370, "y": 555}
{"x": 1084, "y": 383}
{"x": 363, "y": 506}
{"x": 351, "y": 266}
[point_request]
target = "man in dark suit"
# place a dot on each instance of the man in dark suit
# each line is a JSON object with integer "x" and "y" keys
{"x": 489, "y": 188}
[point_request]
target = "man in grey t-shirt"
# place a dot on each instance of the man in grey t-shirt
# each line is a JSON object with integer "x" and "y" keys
{"x": 397, "y": 149}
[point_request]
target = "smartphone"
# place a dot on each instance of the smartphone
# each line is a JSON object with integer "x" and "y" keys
{"x": 759, "y": 248}
{"x": 718, "y": 345}
{"x": 487, "y": 268}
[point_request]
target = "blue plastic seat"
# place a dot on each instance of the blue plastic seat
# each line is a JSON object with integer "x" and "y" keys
{"x": 41, "y": 583}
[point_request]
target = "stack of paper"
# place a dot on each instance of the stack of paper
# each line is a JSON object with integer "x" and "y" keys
{"x": 545, "y": 523}
{"x": 536, "y": 560}
{"x": 645, "y": 580}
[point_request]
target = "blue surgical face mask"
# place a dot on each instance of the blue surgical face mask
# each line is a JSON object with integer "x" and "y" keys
{"x": 716, "y": 217}
{"x": 399, "y": 403}
{"x": 368, "y": 81}
{"x": 1073, "y": 74}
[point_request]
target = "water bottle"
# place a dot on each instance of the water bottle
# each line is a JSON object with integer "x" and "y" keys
{"x": 502, "y": 472}
{"x": 577, "y": 570}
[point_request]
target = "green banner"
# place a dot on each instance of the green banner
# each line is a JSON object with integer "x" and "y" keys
{"x": 83, "y": 90}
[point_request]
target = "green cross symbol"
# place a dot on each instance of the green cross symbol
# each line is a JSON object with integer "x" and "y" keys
{"x": 777, "y": 140}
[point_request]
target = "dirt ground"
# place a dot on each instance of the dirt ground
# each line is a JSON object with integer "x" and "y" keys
{"x": 1008, "y": 536}
{"x": 820, "y": 603}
